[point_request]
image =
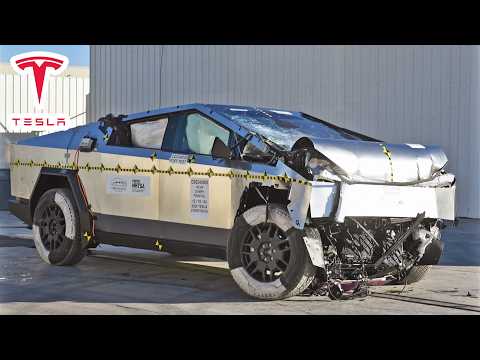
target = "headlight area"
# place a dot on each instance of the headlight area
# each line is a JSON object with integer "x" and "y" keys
{"x": 440, "y": 179}
{"x": 322, "y": 169}
{"x": 313, "y": 165}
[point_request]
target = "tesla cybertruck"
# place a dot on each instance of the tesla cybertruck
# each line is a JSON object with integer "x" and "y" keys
{"x": 289, "y": 200}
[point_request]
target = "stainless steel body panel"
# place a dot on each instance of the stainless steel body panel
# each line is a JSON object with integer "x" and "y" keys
{"x": 323, "y": 199}
{"x": 367, "y": 161}
{"x": 360, "y": 200}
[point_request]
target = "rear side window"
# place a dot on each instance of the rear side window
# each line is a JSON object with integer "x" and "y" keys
{"x": 149, "y": 134}
{"x": 193, "y": 134}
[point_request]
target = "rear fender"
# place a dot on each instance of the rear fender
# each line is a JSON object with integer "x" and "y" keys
{"x": 51, "y": 178}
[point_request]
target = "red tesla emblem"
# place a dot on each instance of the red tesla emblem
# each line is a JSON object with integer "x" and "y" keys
{"x": 39, "y": 65}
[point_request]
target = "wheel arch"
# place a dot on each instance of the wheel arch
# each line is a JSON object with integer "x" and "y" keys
{"x": 295, "y": 198}
{"x": 251, "y": 198}
{"x": 62, "y": 178}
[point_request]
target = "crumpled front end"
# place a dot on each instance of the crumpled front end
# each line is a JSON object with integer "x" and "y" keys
{"x": 373, "y": 179}
{"x": 378, "y": 163}
{"x": 375, "y": 229}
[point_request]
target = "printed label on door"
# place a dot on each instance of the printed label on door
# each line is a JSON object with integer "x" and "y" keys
{"x": 199, "y": 198}
{"x": 128, "y": 185}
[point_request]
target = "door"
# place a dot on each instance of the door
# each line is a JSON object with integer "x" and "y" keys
{"x": 162, "y": 180}
{"x": 120, "y": 186}
{"x": 197, "y": 192}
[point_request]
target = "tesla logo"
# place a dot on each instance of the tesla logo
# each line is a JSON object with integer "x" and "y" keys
{"x": 38, "y": 66}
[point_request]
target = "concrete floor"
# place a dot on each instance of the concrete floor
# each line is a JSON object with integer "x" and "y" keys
{"x": 113, "y": 280}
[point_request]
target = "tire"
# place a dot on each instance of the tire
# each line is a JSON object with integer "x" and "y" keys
{"x": 56, "y": 229}
{"x": 269, "y": 261}
{"x": 432, "y": 256}
{"x": 416, "y": 274}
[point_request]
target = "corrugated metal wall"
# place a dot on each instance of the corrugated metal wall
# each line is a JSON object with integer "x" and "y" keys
{"x": 415, "y": 94}
{"x": 65, "y": 95}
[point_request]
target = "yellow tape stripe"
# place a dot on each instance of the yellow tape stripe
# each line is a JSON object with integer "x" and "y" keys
{"x": 389, "y": 156}
{"x": 153, "y": 170}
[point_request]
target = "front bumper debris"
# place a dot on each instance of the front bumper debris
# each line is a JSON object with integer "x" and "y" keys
{"x": 369, "y": 200}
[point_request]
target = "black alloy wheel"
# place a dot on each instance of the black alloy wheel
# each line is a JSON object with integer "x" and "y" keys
{"x": 265, "y": 252}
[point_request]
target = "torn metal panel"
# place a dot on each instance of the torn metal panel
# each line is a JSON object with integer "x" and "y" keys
{"x": 439, "y": 181}
{"x": 299, "y": 197}
{"x": 395, "y": 201}
{"x": 322, "y": 200}
{"x": 315, "y": 250}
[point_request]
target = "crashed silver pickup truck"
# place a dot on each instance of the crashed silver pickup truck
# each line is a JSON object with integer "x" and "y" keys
{"x": 291, "y": 201}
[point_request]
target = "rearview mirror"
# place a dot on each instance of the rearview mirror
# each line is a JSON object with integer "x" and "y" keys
{"x": 220, "y": 150}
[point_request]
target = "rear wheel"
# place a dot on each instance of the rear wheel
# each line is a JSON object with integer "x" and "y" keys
{"x": 56, "y": 231}
{"x": 269, "y": 260}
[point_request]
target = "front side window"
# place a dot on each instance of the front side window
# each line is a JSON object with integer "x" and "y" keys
{"x": 201, "y": 133}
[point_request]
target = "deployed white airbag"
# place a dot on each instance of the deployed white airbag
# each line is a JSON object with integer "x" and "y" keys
{"x": 149, "y": 134}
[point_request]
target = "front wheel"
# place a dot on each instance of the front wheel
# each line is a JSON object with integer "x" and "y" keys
{"x": 56, "y": 228}
{"x": 269, "y": 260}
{"x": 416, "y": 274}
{"x": 432, "y": 255}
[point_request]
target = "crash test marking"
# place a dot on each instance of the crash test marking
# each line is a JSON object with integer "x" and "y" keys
{"x": 128, "y": 185}
{"x": 199, "y": 198}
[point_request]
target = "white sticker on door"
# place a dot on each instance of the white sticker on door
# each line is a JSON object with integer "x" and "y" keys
{"x": 199, "y": 198}
{"x": 128, "y": 185}
{"x": 179, "y": 158}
